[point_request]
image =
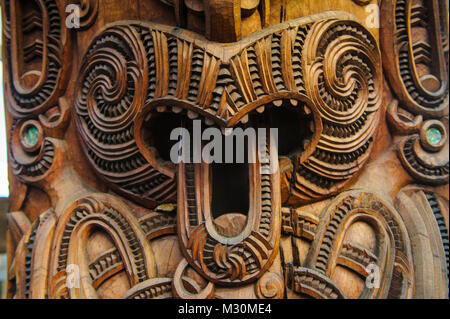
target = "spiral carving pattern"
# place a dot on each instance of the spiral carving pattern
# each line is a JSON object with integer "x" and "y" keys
{"x": 341, "y": 63}
{"x": 112, "y": 91}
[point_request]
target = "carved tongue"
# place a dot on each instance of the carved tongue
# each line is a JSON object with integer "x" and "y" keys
{"x": 229, "y": 214}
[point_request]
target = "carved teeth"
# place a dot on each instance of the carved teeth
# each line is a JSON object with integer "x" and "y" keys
{"x": 306, "y": 143}
{"x": 192, "y": 115}
{"x": 226, "y": 131}
{"x": 176, "y": 109}
{"x": 307, "y": 110}
{"x": 278, "y": 103}
{"x": 244, "y": 120}
{"x": 260, "y": 109}
{"x": 161, "y": 108}
{"x": 294, "y": 102}
{"x": 209, "y": 122}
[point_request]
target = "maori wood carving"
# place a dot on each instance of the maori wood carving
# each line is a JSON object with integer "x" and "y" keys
{"x": 415, "y": 43}
{"x": 352, "y": 204}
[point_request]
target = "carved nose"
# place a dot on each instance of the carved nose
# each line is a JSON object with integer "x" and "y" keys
{"x": 221, "y": 20}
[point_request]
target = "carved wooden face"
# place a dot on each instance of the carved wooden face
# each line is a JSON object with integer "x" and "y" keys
{"x": 319, "y": 81}
{"x": 313, "y": 72}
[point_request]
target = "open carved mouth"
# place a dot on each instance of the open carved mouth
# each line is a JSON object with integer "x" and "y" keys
{"x": 230, "y": 203}
{"x": 228, "y": 171}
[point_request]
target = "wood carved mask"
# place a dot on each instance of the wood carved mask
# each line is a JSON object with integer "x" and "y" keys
{"x": 357, "y": 206}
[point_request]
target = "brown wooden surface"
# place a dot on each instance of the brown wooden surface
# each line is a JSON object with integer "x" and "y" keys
{"x": 359, "y": 185}
{"x": 4, "y": 204}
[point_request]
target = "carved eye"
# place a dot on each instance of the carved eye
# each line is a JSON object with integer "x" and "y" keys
{"x": 295, "y": 129}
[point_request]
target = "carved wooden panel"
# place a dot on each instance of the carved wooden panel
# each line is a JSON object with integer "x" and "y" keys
{"x": 356, "y": 207}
